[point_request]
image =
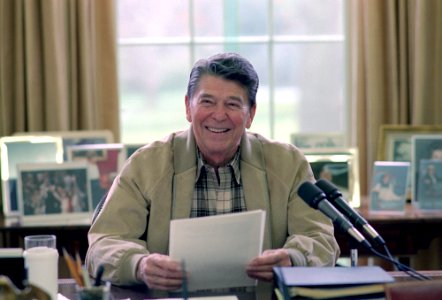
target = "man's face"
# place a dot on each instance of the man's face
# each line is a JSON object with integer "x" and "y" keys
{"x": 219, "y": 112}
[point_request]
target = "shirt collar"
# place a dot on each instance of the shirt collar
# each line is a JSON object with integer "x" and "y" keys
{"x": 233, "y": 163}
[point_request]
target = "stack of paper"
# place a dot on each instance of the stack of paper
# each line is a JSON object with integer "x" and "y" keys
{"x": 217, "y": 249}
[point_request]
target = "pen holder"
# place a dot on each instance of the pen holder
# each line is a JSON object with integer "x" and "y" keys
{"x": 101, "y": 292}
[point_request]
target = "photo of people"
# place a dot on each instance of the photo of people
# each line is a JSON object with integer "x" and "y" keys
{"x": 52, "y": 191}
{"x": 335, "y": 172}
{"x": 429, "y": 186}
{"x": 389, "y": 186}
{"x": 425, "y": 147}
{"x": 104, "y": 162}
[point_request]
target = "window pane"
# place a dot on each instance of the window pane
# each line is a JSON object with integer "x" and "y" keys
{"x": 151, "y": 18}
{"x": 305, "y": 17}
{"x": 152, "y": 83}
{"x": 309, "y": 91}
{"x": 300, "y": 62}
{"x": 230, "y": 18}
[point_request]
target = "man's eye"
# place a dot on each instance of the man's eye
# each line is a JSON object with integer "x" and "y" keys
{"x": 234, "y": 105}
{"x": 206, "y": 101}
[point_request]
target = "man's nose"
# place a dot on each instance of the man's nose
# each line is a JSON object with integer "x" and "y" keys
{"x": 220, "y": 112}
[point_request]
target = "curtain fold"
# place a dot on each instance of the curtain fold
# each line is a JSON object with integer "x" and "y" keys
{"x": 58, "y": 66}
{"x": 396, "y": 75}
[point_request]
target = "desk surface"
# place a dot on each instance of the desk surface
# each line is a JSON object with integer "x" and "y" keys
{"x": 67, "y": 288}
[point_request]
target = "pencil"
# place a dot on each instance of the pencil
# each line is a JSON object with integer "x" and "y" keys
{"x": 72, "y": 267}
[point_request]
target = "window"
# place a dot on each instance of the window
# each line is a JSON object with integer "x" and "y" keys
{"x": 297, "y": 47}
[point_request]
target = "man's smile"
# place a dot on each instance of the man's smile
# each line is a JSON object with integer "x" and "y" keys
{"x": 217, "y": 130}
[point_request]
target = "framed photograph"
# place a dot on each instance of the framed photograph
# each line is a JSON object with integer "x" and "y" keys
{"x": 104, "y": 162}
{"x": 389, "y": 183}
{"x": 76, "y": 137}
{"x": 424, "y": 147}
{"x": 340, "y": 167}
{"x": 395, "y": 140}
{"x": 15, "y": 150}
{"x": 395, "y": 144}
{"x": 429, "y": 185}
{"x": 54, "y": 194}
{"x": 318, "y": 140}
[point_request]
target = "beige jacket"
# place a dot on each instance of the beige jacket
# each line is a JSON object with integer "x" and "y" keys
{"x": 156, "y": 185}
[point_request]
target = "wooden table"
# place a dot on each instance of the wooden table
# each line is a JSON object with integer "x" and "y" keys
{"x": 67, "y": 288}
{"x": 404, "y": 234}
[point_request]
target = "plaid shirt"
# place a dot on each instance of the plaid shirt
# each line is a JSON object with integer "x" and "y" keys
{"x": 220, "y": 193}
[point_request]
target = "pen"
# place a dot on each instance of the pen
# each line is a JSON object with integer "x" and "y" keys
{"x": 100, "y": 272}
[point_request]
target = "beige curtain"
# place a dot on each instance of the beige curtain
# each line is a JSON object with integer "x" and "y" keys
{"x": 396, "y": 69}
{"x": 396, "y": 78}
{"x": 58, "y": 66}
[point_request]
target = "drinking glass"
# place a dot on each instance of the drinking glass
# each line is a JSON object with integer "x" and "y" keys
{"x": 41, "y": 262}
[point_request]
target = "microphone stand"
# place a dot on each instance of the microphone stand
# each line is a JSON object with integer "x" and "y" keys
{"x": 353, "y": 253}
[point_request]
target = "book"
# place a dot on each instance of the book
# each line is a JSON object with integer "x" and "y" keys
{"x": 364, "y": 282}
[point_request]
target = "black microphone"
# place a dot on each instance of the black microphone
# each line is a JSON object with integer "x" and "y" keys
{"x": 335, "y": 197}
{"x": 314, "y": 197}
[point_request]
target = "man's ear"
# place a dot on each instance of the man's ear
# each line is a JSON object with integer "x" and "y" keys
{"x": 252, "y": 112}
{"x": 187, "y": 101}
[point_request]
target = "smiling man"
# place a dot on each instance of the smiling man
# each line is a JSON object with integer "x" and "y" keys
{"x": 215, "y": 167}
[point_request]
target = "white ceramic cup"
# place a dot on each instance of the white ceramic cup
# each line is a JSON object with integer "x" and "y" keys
{"x": 41, "y": 262}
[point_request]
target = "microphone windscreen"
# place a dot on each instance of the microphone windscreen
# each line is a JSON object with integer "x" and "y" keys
{"x": 328, "y": 188}
{"x": 311, "y": 194}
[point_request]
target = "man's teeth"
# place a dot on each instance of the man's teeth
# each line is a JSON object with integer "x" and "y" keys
{"x": 217, "y": 130}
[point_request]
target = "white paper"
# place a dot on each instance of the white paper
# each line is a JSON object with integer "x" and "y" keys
{"x": 217, "y": 249}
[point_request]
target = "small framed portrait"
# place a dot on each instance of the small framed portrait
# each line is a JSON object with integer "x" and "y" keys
{"x": 340, "y": 167}
{"x": 429, "y": 185}
{"x": 104, "y": 162}
{"x": 388, "y": 189}
{"x": 54, "y": 194}
{"x": 424, "y": 147}
{"x": 23, "y": 149}
{"x": 318, "y": 140}
{"x": 395, "y": 144}
{"x": 395, "y": 140}
{"x": 76, "y": 137}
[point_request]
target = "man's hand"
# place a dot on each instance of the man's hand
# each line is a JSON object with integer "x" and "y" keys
{"x": 261, "y": 267}
{"x": 160, "y": 272}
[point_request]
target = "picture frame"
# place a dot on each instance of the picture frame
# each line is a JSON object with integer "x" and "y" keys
{"x": 16, "y": 150}
{"x": 318, "y": 140}
{"x": 429, "y": 190}
{"x": 389, "y": 186}
{"x": 339, "y": 166}
{"x": 424, "y": 148}
{"x": 76, "y": 137}
{"x": 395, "y": 140}
{"x": 54, "y": 194}
{"x": 395, "y": 144}
{"x": 104, "y": 162}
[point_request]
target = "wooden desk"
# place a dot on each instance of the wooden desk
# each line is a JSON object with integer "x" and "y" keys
{"x": 67, "y": 288}
{"x": 404, "y": 234}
